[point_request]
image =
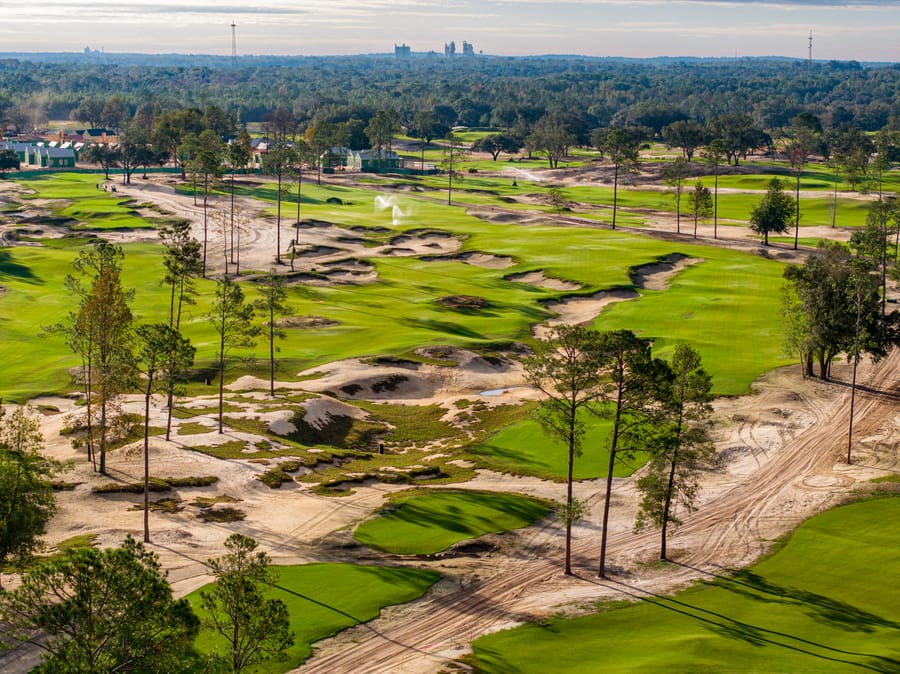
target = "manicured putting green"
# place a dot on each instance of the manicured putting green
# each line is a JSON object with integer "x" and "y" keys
{"x": 825, "y": 603}
{"x": 425, "y": 523}
{"x": 525, "y": 448}
{"x": 324, "y": 599}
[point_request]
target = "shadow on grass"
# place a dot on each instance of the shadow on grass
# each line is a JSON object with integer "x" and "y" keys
{"x": 505, "y": 456}
{"x": 264, "y": 194}
{"x": 443, "y": 327}
{"x": 461, "y": 602}
{"x": 754, "y": 635}
{"x": 831, "y": 612}
{"x": 456, "y": 518}
{"x": 9, "y": 268}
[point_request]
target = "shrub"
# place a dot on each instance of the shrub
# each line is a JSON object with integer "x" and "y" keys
{"x": 226, "y": 514}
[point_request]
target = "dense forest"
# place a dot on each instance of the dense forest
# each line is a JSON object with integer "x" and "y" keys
{"x": 472, "y": 92}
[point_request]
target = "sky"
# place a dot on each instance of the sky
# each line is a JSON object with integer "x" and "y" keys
{"x": 863, "y": 30}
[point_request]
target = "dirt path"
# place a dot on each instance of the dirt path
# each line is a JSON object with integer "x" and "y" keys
{"x": 735, "y": 524}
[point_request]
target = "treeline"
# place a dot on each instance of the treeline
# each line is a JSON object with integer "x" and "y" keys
{"x": 467, "y": 92}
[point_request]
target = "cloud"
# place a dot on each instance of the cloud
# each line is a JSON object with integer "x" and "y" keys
{"x": 825, "y": 4}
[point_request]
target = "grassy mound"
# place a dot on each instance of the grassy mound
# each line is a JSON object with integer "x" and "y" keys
{"x": 826, "y": 602}
{"x": 324, "y": 599}
{"x": 425, "y": 523}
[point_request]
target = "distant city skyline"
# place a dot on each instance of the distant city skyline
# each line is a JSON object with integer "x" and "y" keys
{"x": 863, "y": 30}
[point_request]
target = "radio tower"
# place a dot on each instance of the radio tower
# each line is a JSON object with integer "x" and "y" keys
{"x": 234, "y": 46}
{"x": 809, "y": 63}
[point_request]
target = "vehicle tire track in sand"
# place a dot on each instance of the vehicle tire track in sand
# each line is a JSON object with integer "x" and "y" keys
{"x": 729, "y": 530}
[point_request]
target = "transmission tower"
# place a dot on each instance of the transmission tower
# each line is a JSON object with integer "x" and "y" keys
{"x": 809, "y": 63}
{"x": 233, "y": 45}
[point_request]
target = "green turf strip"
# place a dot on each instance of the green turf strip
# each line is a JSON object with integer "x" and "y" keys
{"x": 827, "y": 602}
{"x": 426, "y": 523}
{"x": 525, "y": 448}
{"x": 323, "y": 599}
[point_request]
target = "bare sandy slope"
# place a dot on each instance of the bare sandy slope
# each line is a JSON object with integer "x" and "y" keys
{"x": 783, "y": 449}
{"x": 785, "y": 465}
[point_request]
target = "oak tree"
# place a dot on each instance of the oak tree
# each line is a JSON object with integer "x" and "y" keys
{"x": 773, "y": 213}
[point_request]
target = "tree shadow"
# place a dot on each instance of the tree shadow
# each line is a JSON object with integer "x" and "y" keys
{"x": 893, "y": 394}
{"x": 11, "y": 269}
{"x": 510, "y": 455}
{"x": 458, "y": 602}
{"x": 443, "y": 327}
{"x": 758, "y": 636}
{"x": 828, "y": 611}
{"x": 467, "y": 520}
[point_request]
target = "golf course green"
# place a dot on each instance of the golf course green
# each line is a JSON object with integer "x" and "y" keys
{"x": 323, "y": 599}
{"x": 826, "y": 602}
{"x": 427, "y": 522}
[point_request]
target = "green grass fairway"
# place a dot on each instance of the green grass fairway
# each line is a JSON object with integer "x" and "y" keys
{"x": 727, "y": 306}
{"x": 79, "y": 199}
{"x": 35, "y": 363}
{"x": 425, "y": 523}
{"x": 324, "y": 599}
{"x": 827, "y": 602}
{"x": 525, "y": 448}
{"x": 726, "y": 294}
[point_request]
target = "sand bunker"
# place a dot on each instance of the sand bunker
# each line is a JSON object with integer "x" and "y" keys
{"x": 487, "y": 260}
{"x": 320, "y": 410}
{"x": 305, "y": 322}
{"x": 579, "y": 310}
{"x": 656, "y": 275}
{"x": 539, "y": 279}
{"x": 425, "y": 243}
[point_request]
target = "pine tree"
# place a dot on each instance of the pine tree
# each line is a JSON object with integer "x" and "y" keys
{"x": 232, "y": 319}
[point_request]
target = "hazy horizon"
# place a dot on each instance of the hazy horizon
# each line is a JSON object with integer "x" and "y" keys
{"x": 863, "y": 30}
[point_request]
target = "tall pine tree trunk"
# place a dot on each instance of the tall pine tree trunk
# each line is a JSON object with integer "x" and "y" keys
{"x": 609, "y": 478}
